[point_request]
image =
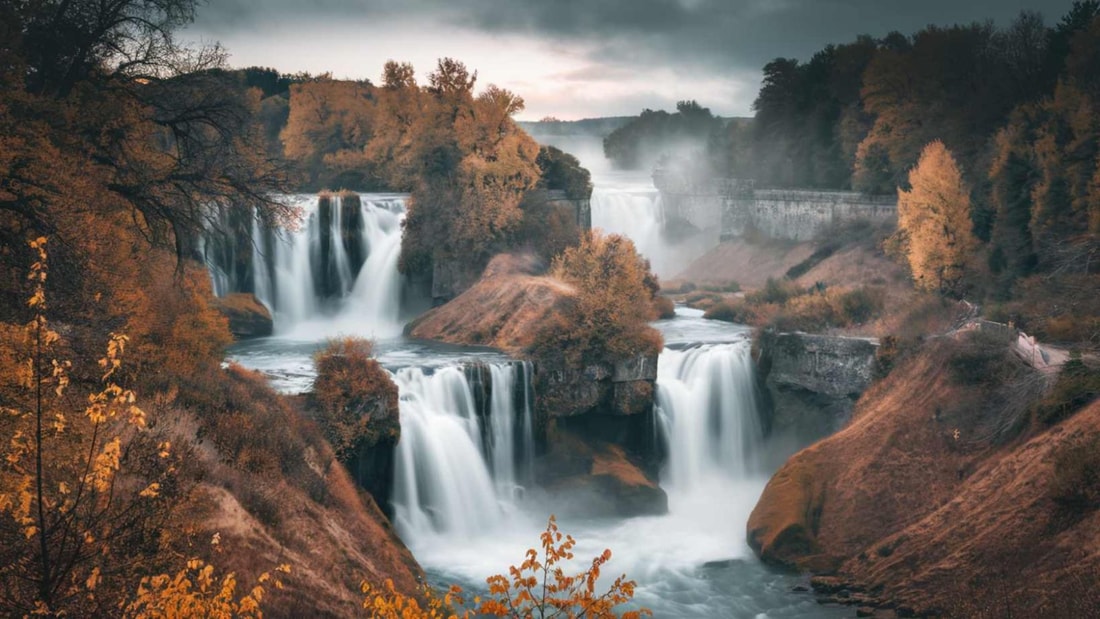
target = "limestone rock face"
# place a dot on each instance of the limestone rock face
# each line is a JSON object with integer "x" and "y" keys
{"x": 814, "y": 380}
{"x": 248, "y": 318}
{"x": 372, "y": 463}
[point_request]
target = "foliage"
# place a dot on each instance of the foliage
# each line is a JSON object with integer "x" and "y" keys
{"x": 1077, "y": 385}
{"x": 1076, "y": 481}
{"x": 82, "y": 492}
{"x": 608, "y": 318}
{"x": 194, "y": 592}
{"x": 539, "y": 588}
{"x": 785, "y": 305}
{"x": 981, "y": 358}
{"x": 1056, "y": 308}
{"x": 562, "y": 171}
{"x": 739, "y": 312}
{"x": 354, "y": 397}
{"x": 389, "y": 603}
{"x": 934, "y": 218}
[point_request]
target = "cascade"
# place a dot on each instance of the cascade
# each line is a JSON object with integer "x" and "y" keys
{"x": 453, "y": 476}
{"x": 338, "y": 273}
{"x": 707, "y": 412}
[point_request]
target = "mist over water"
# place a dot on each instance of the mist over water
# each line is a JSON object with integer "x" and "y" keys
{"x": 626, "y": 202}
{"x": 463, "y": 499}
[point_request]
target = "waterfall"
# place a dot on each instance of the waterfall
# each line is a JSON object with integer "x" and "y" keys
{"x": 637, "y": 213}
{"x": 459, "y": 465}
{"x": 336, "y": 274}
{"x": 707, "y": 411}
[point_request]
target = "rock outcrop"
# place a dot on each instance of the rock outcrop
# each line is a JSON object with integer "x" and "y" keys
{"x": 501, "y": 310}
{"x": 907, "y": 507}
{"x": 589, "y": 478}
{"x": 814, "y": 380}
{"x": 248, "y": 318}
{"x": 599, "y": 409}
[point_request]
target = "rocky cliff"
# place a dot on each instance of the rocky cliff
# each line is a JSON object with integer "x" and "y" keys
{"x": 813, "y": 380}
{"x": 910, "y": 507}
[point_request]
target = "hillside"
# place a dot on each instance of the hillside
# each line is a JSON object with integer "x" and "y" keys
{"x": 501, "y": 310}
{"x": 914, "y": 505}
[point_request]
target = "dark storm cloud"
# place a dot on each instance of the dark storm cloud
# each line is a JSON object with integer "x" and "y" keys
{"x": 734, "y": 34}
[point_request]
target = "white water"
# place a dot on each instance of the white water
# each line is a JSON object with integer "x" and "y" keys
{"x": 627, "y": 203}
{"x": 455, "y": 479}
{"x": 710, "y": 417}
{"x": 367, "y": 300}
{"x": 706, "y": 405}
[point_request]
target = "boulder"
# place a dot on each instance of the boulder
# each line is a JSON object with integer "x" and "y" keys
{"x": 596, "y": 481}
{"x": 248, "y": 318}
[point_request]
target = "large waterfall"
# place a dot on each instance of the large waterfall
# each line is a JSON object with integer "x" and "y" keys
{"x": 465, "y": 448}
{"x": 336, "y": 274}
{"x": 707, "y": 409}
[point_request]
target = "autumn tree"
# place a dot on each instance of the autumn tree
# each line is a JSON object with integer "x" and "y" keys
{"x": 84, "y": 488}
{"x": 538, "y": 588}
{"x": 608, "y": 318}
{"x": 472, "y": 166}
{"x": 327, "y": 130}
{"x": 934, "y": 217}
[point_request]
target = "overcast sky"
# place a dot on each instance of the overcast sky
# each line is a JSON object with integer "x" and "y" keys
{"x": 577, "y": 58}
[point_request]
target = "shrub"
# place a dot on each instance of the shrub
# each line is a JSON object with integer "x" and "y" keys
{"x": 981, "y": 358}
{"x": 729, "y": 287}
{"x": 354, "y": 398}
{"x": 664, "y": 307}
{"x": 776, "y": 291}
{"x": 730, "y": 311}
{"x": 1076, "y": 481}
{"x": 1077, "y": 385}
{"x": 608, "y": 318}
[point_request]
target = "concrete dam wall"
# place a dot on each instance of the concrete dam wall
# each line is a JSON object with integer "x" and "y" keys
{"x": 741, "y": 209}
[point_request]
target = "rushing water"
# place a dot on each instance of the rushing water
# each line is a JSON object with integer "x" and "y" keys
{"x": 626, "y": 202}
{"x": 308, "y": 279}
{"x": 463, "y": 500}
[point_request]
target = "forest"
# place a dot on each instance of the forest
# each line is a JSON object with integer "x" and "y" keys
{"x": 146, "y": 474}
{"x": 1023, "y": 138}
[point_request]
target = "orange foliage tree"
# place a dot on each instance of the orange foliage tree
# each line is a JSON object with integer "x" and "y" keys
{"x": 608, "y": 318}
{"x": 934, "y": 217}
{"x": 538, "y": 588}
{"x": 82, "y": 493}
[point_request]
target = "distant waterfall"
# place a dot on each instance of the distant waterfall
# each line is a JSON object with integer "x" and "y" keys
{"x": 460, "y": 462}
{"x": 337, "y": 273}
{"x": 637, "y": 213}
{"x": 707, "y": 407}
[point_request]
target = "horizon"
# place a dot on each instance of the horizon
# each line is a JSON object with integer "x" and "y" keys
{"x": 572, "y": 62}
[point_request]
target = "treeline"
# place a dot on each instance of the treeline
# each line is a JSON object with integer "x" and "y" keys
{"x": 470, "y": 170}
{"x": 658, "y": 135}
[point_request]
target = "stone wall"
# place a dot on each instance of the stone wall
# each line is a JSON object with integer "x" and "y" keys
{"x": 740, "y": 208}
{"x": 798, "y": 214}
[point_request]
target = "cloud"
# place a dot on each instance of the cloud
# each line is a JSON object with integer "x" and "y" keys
{"x": 594, "y": 42}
